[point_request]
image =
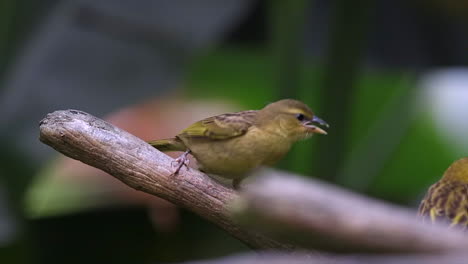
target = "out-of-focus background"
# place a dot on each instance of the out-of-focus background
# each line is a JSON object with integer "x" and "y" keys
{"x": 389, "y": 76}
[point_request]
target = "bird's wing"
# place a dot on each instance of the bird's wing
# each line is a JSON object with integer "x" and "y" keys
{"x": 446, "y": 201}
{"x": 222, "y": 126}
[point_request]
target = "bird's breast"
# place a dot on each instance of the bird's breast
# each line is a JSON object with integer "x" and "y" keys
{"x": 237, "y": 156}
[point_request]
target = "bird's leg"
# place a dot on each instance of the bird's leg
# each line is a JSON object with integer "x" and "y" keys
{"x": 181, "y": 161}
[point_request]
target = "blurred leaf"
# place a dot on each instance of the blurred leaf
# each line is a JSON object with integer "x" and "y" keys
{"x": 287, "y": 22}
{"x": 342, "y": 69}
{"x": 379, "y": 135}
{"x": 52, "y": 194}
{"x": 418, "y": 162}
{"x": 239, "y": 74}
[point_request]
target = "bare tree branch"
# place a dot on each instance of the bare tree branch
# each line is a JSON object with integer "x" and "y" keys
{"x": 97, "y": 143}
{"x": 314, "y": 214}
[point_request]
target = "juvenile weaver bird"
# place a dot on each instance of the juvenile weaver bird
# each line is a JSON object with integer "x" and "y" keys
{"x": 231, "y": 145}
{"x": 447, "y": 199}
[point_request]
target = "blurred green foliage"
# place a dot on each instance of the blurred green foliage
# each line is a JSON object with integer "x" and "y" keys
{"x": 420, "y": 160}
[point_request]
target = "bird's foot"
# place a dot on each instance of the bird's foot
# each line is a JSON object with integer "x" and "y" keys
{"x": 181, "y": 161}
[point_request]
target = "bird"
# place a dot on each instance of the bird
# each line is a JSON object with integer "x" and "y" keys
{"x": 233, "y": 144}
{"x": 447, "y": 200}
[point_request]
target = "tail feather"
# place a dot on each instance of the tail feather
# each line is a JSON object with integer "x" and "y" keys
{"x": 169, "y": 144}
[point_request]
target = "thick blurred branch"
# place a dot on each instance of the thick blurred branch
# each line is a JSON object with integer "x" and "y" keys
{"x": 317, "y": 215}
{"x": 277, "y": 258}
{"x": 97, "y": 143}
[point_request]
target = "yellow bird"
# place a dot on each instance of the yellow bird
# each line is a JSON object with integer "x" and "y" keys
{"x": 231, "y": 145}
{"x": 447, "y": 199}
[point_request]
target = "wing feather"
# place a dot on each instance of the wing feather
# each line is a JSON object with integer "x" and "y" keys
{"x": 221, "y": 127}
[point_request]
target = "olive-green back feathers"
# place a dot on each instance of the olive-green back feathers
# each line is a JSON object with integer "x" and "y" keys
{"x": 231, "y": 125}
{"x": 217, "y": 127}
{"x": 222, "y": 126}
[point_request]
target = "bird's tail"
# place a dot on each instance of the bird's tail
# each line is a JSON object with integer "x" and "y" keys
{"x": 169, "y": 144}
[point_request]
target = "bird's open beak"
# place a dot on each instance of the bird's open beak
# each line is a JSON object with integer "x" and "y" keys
{"x": 315, "y": 129}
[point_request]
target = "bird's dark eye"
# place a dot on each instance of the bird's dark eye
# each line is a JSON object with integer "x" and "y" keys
{"x": 300, "y": 117}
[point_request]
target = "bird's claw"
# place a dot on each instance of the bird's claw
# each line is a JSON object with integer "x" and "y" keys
{"x": 181, "y": 162}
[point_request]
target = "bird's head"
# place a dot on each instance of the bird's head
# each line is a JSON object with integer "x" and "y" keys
{"x": 458, "y": 171}
{"x": 291, "y": 118}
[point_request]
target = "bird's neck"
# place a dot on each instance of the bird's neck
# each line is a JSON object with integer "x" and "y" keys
{"x": 270, "y": 125}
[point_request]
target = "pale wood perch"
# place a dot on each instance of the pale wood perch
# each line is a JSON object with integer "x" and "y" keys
{"x": 310, "y": 208}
